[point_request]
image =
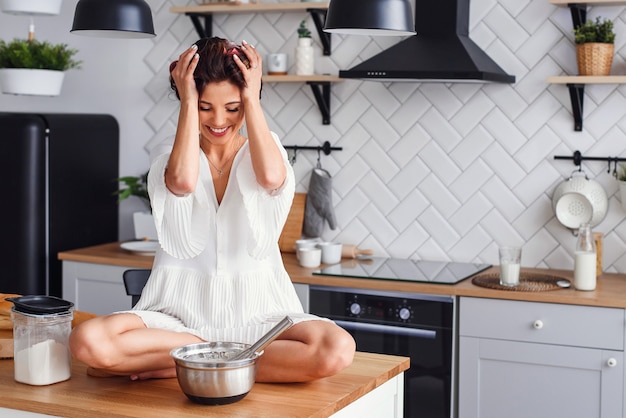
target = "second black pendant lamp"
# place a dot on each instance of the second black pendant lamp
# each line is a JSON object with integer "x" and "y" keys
{"x": 113, "y": 19}
{"x": 370, "y": 17}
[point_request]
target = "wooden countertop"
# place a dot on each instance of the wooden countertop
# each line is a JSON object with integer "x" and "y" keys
{"x": 610, "y": 290}
{"x": 84, "y": 396}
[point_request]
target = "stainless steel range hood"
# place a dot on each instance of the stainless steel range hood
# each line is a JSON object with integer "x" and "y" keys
{"x": 440, "y": 52}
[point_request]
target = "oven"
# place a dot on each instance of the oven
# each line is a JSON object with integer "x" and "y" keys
{"x": 418, "y": 326}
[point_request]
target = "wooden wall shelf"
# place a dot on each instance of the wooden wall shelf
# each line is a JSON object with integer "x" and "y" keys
{"x": 576, "y": 84}
{"x": 206, "y": 11}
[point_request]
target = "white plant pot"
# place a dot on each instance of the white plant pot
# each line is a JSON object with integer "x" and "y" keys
{"x": 305, "y": 61}
{"x": 622, "y": 193}
{"x": 31, "y": 82}
{"x": 144, "y": 226}
{"x": 31, "y": 7}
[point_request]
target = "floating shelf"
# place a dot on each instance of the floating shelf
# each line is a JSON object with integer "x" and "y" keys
{"x": 576, "y": 84}
{"x": 317, "y": 10}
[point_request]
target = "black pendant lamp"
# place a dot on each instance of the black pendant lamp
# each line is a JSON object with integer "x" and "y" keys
{"x": 370, "y": 17}
{"x": 113, "y": 19}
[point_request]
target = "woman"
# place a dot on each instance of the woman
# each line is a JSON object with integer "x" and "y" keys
{"x": 219, "y": 201}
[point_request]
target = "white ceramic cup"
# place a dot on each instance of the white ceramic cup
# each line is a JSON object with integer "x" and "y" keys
{"x": 331, "y": 252}
{"x": 309, "y": 257}
{"x": 510, "y": 262}
{"x": 306, "y": 243}
{"x": 277, "y": 63}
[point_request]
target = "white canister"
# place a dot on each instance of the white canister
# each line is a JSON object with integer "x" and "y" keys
{"x": 305, "y": 64}
{"x": 277, "y": 64}
{"x": 41, "y": 331}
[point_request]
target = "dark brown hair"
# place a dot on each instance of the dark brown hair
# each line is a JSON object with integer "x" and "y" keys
{"x": 216, "y": 64}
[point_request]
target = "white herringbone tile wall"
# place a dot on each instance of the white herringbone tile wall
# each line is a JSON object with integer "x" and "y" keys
{"x": 437, "y": 171}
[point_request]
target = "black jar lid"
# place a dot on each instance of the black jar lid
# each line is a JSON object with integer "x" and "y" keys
{"x": 40, "y": 304}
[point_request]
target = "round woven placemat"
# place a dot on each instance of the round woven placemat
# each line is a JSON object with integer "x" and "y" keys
{"x": 528, "y": 282}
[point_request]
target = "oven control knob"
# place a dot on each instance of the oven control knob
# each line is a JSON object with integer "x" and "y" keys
{"x": 404, "y": 313}
{"x": 355, "y": 308}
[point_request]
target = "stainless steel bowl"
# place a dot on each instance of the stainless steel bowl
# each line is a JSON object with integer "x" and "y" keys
{"x": 207, "y": 376}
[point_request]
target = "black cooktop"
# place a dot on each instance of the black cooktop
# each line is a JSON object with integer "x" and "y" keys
{"x": 440, "y": 272}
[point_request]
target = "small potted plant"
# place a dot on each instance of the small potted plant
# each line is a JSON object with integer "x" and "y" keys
{"x": 143, "y": 222}
{"x": 34, "y": 67}
{"x": 595, "y": 47}
{"x": 304, "y": 51}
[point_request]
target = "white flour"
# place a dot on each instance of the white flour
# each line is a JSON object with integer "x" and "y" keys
{"x": 42, "y": 364}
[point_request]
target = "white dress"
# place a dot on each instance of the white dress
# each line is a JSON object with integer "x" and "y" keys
{"x": 219, "y": 272}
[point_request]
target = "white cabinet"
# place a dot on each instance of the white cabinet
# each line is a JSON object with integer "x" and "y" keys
{"x": 96, "y": 288}
{"x": 526, "y": 359}
{"x": 99, "y": 288}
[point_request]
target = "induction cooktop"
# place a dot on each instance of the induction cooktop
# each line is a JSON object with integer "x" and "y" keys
{"x": 440, "y": 272}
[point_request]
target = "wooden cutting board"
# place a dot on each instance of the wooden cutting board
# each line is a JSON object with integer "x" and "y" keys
{"x": 6, "y": 343}
{"x": 292, "y": 231}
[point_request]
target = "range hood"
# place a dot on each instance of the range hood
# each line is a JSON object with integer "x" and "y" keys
{"x": 440, "y": 52}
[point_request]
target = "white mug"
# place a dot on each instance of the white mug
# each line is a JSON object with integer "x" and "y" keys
{"x": 277, "y": 64}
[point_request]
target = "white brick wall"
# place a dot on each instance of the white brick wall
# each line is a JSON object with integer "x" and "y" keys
{"x": 441, "y": 171}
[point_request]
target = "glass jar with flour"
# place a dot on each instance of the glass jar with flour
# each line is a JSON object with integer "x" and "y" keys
{"x": 41, "y": 330}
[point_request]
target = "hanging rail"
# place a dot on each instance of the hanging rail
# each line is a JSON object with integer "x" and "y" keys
{"x": 578, "y": 158}
{"x": 325, "y": 147}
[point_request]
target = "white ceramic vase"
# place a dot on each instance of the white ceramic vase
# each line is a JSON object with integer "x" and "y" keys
{"x": 31, "y": 82}
{"x": 622, "y": 193}
{"x": 305, "y": 64}
{"x": 31, "y": 7}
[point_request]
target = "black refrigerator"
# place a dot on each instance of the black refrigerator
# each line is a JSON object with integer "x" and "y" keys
{"x": 58, "y": 176}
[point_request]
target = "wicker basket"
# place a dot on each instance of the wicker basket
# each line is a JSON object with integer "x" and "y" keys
{"x": 594, "y": 58}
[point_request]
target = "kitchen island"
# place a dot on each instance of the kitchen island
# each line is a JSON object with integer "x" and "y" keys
{"x": 577, "y": 338}
{"x": 372, "y": 383}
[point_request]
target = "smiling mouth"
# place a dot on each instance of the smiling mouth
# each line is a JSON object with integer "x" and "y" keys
{"x": 218, "y": 131}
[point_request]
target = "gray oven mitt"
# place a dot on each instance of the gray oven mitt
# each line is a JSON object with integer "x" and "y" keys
{"x": 319, "y": 204}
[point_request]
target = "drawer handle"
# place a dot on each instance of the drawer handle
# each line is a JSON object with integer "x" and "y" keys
{"x": 538, "y": 324}
{"x": 611, "y": 362}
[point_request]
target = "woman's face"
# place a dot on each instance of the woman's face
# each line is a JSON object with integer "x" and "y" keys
{"x": 221, "y": 112}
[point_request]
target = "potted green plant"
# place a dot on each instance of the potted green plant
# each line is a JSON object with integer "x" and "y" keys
{"x": 304, "y": 51}
{"x": 143, "y": 221}
{"x": 595, "y": 46}
{"x": 34, "y": 67}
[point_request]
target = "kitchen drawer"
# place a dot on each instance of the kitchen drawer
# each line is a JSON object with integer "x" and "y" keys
{"x": 550, "y": 323}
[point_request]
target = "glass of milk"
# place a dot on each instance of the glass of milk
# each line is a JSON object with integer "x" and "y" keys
{"x": 510, "y": 259}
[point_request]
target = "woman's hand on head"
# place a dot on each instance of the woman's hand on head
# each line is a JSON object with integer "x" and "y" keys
{"x": 182, "y": 74}
{"x": 251, "y": 75}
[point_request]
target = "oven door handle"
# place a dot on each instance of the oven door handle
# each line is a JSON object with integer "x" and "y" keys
{"x": 387, "y": 329}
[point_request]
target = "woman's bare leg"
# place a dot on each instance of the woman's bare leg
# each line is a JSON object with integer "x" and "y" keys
{"x": 121, "y": 344}
{"x": 307, "y": 351}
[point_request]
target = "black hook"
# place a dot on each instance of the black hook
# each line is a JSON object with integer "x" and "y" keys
{"x": 293, "y": 157}
{"x": 319, "y": 156}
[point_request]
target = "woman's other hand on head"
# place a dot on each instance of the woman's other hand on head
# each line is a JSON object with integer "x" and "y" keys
{"x": 253, "y": 74}
{"x": 182, "y": 73}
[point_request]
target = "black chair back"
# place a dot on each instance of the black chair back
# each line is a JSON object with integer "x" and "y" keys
{"x": 134, "y": 282}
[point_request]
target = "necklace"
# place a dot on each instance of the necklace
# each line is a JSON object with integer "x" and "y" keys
{"x": 220, "y": 171}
